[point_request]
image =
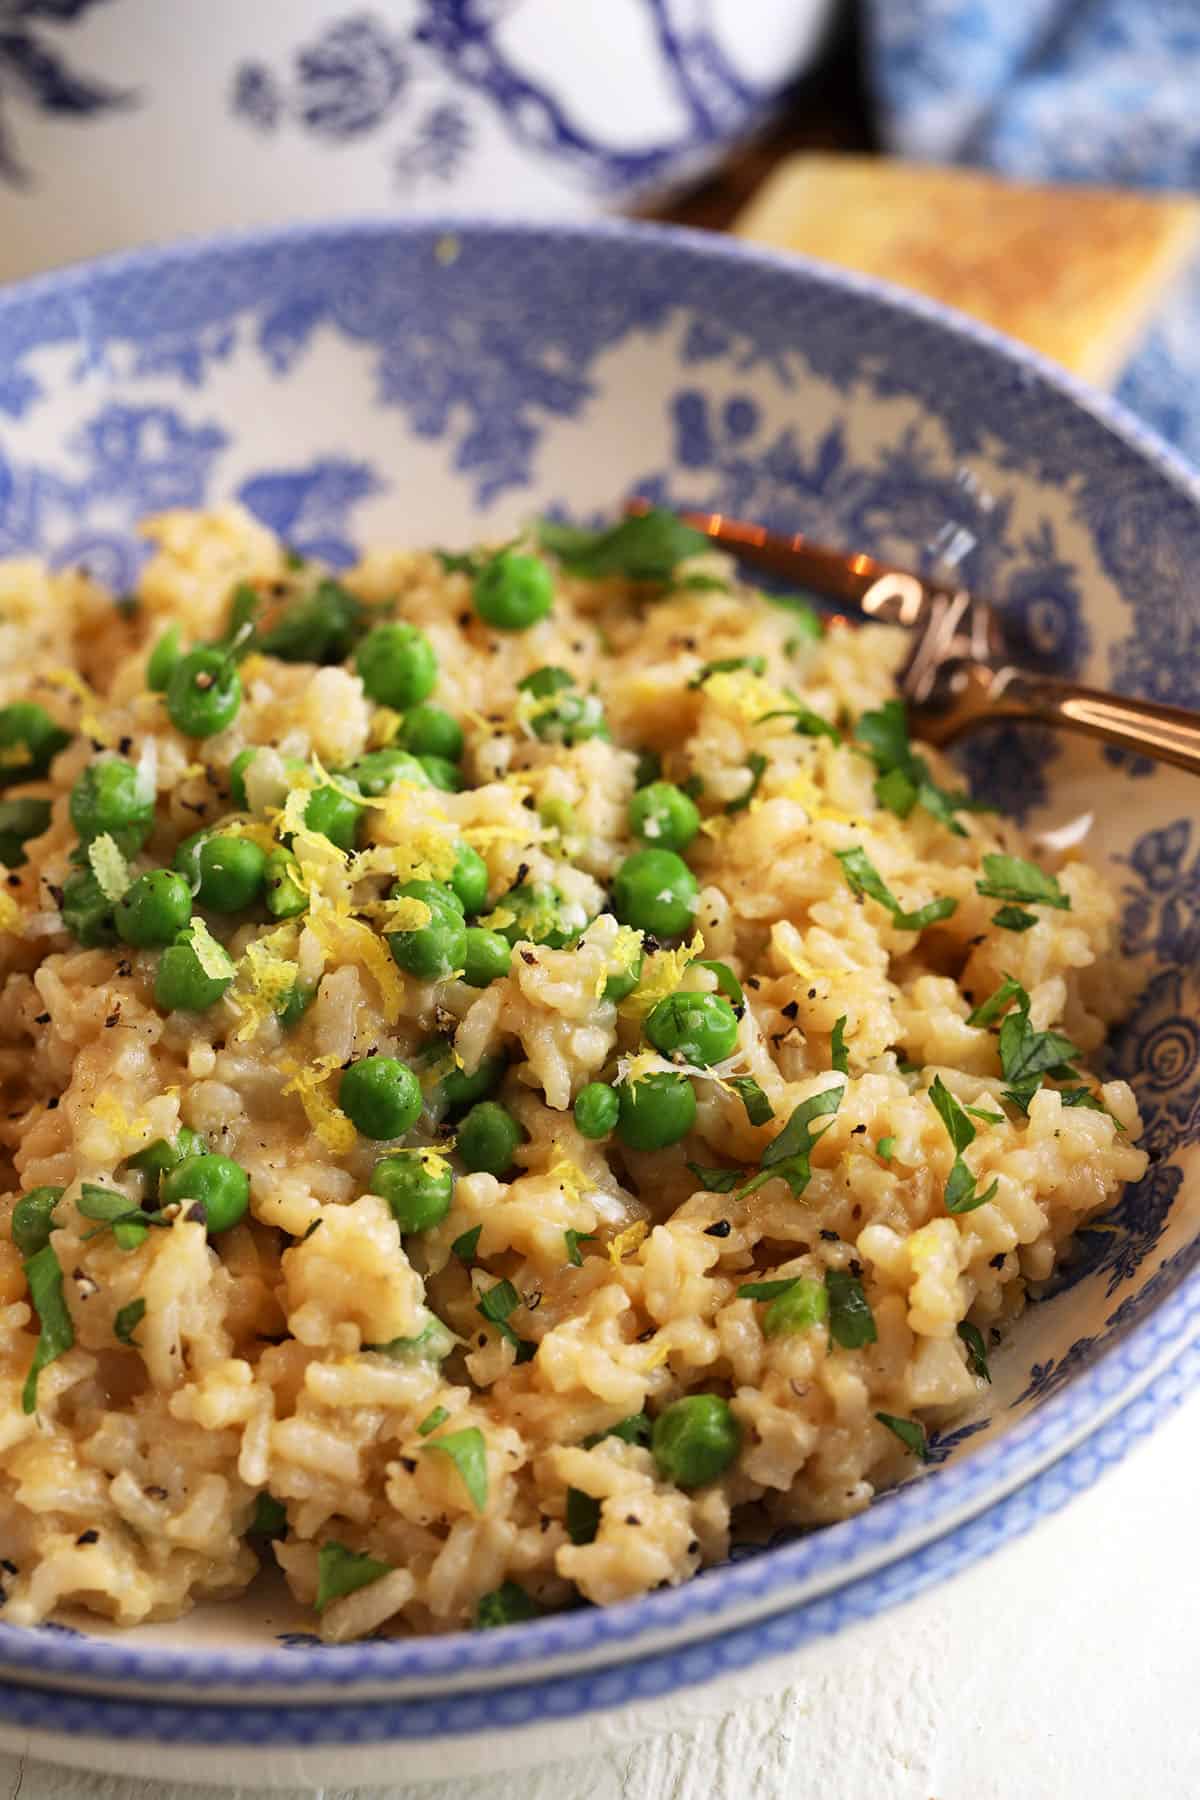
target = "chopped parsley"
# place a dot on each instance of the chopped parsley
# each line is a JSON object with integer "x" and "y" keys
{"x": 727, "y": 982}
{"x": 1014, "y": 918}
{"x": 725, "y": 665}
{"x": 495, "y": 1306}
{"x": 767, "y": 1290}
{"x": 807, "y": 723}
{"x": 716, "y": 1181}
{"x": 432, "y": 1420}
{"x": 1028, "y": 1056}
{"x": 506, "y": 1605}
{"x": 467, "y": 1450}
{"x": 788, "y": 1154}
{"x": 582, "y": 1517}
{"x": 43, "y": 1272}
{"x": 977, "y": 1360}
{"x": 465, "y": 1245}
{"x": 911, "y": 1435}
{"x": 633, "y": 1430}
{"x": 756, "y": 762}
{"x": 341, "y": 1571}
{"x": 884, "y": 1149}
{"x": 1012, "y": 878}
{"x": 573, "y": 1239}
{"x": 758, "y": 1107}
{"x": 129, "y": 1224}
{"x": 851, "y": 1321}
{"x": 864, "y": 878}
{"x": 1081, "y": 1096}
{"x": 903, "y": 779}
{"x": 981, "y": 1112}
{"x": 960, "y": 1195}
{"x": 269, "y": 1518}
{"x": 837, "y": 1047}
{"x": 646, "y": 547}
{"x": 1009, "y": 990}
{"x": 127, "y": 1320}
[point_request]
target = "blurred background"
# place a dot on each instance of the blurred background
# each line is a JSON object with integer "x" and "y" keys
{"x": 1031, "y": 161}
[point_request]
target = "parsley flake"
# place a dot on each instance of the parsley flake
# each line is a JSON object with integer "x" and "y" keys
{"x": 725, "y": 665}
{"x": 837, "y": 1047}
{"x": 864, "y": 878}
{"x": 961, "y": 1195}
{"x": 911, "y": 1435}
{"x": 756, "y": 762}
{"x": 1014, "y": 918}
{"x": 767, "y": 1290}
{"x": 903, "y": 778}
{"x": 341, "y": 1571}
{"x": 727, "y": 982}
{"x": 851, "y": 1321}
{"x": 788, "y": 1154}
{"x": 716, "y": 1181}
{"x": 884, "y": 1149}
{"x": 506, "y": 1605}
{"x": 1009, "y": 990}
{"x": 582, "y": 1516}
{"x": 127, "y": 1320}
{"x": 633, "y": 1430}
{"x": 43, "y": 1272}
{"x": 573, "y": 1239}
{"x": 758, "y": 1107}
{"x": 467, "y": 1450}
{"x": 977, "y": 1360}
{"x": 269, "y": 1518}
{"x": 495, "y": 1306}
{"x": 646, "y": 547}
{"x": 806, "y": 722}
{"x": 465, "y": 1245}
{"x": 432, "y": 1420}
{"x": 1012, "y": 878}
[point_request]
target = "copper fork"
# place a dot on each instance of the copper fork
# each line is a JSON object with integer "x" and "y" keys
{"x": 959, "y": 673}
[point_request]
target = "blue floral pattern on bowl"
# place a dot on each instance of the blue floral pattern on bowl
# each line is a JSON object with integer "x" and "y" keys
{"x": 443, "y": 382}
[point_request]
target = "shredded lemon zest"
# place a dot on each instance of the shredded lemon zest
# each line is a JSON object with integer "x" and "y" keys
{"x": 432, "y": 1161}
{"x": 742, "y": 692}
{"x": 569, "y": 1176}
{"x": 340, "y": 934}
{"x": 500, "y": 918}
{"x": 327, "y": 1120}
{"x": 476, "y": 719}
{"x": 109, "y": 1111}
{"x": 383, "y": 727}
{"x": 213, "y": 957}
{"x": 10, "y": 914}
{"x": 802, "y": 788}
{"x": 267, "y": 973}
{"x": 627, "y": 1241}
{"x": 496, "y": 834}
{"x": 109, "y": 867}
{"x": 403, "y": 913}
{"x": 662, "y": 972}
{"x": 243, "y": 826}
{"x": 73, "y": 682}
{"x": 656, "y": 1355}
{"x": 717, "y": 827}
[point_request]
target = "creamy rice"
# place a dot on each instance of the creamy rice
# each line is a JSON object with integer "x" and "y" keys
{"x": 131, "y": 1486}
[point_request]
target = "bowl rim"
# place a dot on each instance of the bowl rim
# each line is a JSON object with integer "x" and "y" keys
{"x": 896, "y": 1526}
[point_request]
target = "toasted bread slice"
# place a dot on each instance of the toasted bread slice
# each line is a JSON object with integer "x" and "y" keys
{"x": 1075, "y": 272}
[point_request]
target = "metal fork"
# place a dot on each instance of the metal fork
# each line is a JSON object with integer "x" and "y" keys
{"x": 959, "y": 673}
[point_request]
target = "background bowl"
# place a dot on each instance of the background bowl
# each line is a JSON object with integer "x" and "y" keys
{"x": 131, "y": 120}
{"x": 427, "y": 384}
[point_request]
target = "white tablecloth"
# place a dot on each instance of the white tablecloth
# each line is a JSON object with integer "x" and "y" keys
{"x": 1063, "y": 1668}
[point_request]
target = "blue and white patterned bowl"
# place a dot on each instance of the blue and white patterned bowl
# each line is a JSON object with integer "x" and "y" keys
{"x": 124, "y": 122}
{"x": 420, "y": 384}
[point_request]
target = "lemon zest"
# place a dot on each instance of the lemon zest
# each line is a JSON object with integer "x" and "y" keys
{"x": 383, "y": 727}
{"x": 267, "y": 973}
{"x": 109, "y": 1111}
{"x": 213, "y": 957}
{"x": 327, "y": 1120}
{"x": 10, "y": 914}
{"x": 742, "y": 692}
{"x": 243, "y": 826}
{"x": 402, "y": 913}
{"x": 802, "y": 788}
{"x": 656, "y": 1355}
{"x": 627, "y": 1241}
{"x": 661, "y": 974}
{"x": 496, "y": 834}
{"x": 499, "y": 919}
{"x": 340, "y": 934}
{"x": 109, "y": 867}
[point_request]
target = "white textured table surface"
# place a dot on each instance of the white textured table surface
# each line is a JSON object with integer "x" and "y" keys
{"x": 1064, "y": 1667}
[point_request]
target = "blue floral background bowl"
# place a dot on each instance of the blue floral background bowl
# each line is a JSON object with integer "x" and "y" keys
{"x": 422, "y": 383}
{"x": 129, "y": 121}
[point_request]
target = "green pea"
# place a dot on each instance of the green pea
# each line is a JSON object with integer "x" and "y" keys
{"x": 572, "y": 719}
{"x": 162, "y": 659}
{"x": 162, "y": 1155}
{"x": 87, "y": 911}
{"x": 458, "y": 1090}
{"x": 204, "y": 692}
{"x": 654, "y": 890}
{"x": 33, "y": 1219}
{"x": 486, "y": 957}
{"x": 29, "y": 741}
{"x": 217, "y": 1189}
{"x": 508, "y": 1604}
{"x": 656, "y": 1111}
{"x": 442, "y": 773}
{"x": 112, "y": 796}
{"x": 512, "y": 592}
{"x": 379, "y": 770}
{"x": 181, "y": 984}
{"x": 800, "y": 1307}
{"x": 663, "y": 816}
{"x": 231, "y": 871}
{"x": 544, "y": 682}
{"x": 335, "y": 815}
{"x": 597, "y": 1107}
{"x": 20, "y": 820}
{"x": 285, "y": 894}
{"x": 318, "y": 627}
{"x": 237, "y": 776}
{"x": 295, "y": 1003}
{"x": 694, "y": 1028}
{"x": 380, "y": 1096}
{"x": 433, "y": 951}
{"x": 622, "y": 982}
{"x": 695, "y": 1439}
{"x": 430, "y": 731}
{"x": 153, "y": 909}
{"x": 419, "y": 1197}
{"x": 488, "y": 1138}
{"x": 469, "y": 879}
{"x": 538, "y": 916}
{"x": 397, "y": 665}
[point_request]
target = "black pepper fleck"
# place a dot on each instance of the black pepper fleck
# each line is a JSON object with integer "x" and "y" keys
{"x": 997, "y": 1261}
{"x": 720, "y": 1228}
{"x": 791, "y": 1009}
{"x": 42, "y": 1019}
{"x": 830, "y": 1237}
{"x": 88, "y": 1537}
{"x": 856, "y": 1269}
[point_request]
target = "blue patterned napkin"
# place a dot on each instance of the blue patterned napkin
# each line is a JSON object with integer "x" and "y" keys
{"x": 1104, "y": 91}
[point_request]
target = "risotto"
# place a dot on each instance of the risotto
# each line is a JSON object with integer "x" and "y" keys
{"x": 515, "y": 1067}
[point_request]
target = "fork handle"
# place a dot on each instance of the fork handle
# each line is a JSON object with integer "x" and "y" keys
{"x": 1169, "y": 734}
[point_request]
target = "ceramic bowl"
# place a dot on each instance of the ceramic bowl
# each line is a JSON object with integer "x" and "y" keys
{"x": 430, "y": 384}
{"x": 133, "y": 121}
